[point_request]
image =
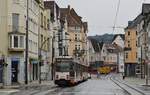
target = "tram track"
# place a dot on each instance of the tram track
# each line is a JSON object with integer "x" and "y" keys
{"x": 129, "y": 89}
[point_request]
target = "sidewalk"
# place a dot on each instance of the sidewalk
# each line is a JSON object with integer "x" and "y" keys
{"x": 29, "y": 85}
{"x": 136, "y": 83}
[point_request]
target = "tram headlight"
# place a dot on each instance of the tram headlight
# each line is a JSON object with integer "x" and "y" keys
{"x": 67, "y": 76}
{"x": 56, "y": 76}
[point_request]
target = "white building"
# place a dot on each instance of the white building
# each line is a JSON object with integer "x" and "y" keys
{"x": 119, "y": 40}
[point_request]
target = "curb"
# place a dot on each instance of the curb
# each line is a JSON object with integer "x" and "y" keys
{"x": 25, "y": 86}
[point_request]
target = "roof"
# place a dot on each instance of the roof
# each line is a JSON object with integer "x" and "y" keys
{"x": 96, "y": 45}
{"x": 73, "y": 19}
{"x": 63, "y": 13}
{"x": 113, "y": 48}
{"x": 145, "y": 8}
{"x": 85, "y": 25}
{"x": 121, "y": 35}
{"x": 137, "y": 20}
{"x": 51, "y": 5}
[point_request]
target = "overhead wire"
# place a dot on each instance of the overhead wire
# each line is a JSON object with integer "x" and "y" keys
{"x": 116, "y": 16}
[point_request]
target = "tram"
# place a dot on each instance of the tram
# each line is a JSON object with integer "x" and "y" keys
{"x": 68, "y": 73}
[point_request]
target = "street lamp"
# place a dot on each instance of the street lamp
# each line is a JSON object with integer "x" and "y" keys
{"x": 26, "y": 51}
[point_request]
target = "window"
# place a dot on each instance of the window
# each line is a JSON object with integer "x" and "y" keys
{"x": 48, "y": 44}
{"x": 45, "y": 43}
{"x": 136, "y": 55}
{"x": 41, "y": 39}
{"x": 75, "y": 47}
{"x": 45, "y": 22}
{"x": 126, "y": 55}
{"x": 79, "y": 47}
{"x": 10, "y": 41}
{"x": 128, "y": 33}
{"x": 17, "y": 41}
{"x": 128, "y": 43}
{"x": 75, "y": 37}
{"x": 41, "y": 19}
{"x": 48, "y": 25}
{"x": 21, "y": 41}
{"x": 59, "y": 37}
{"x": 104, "y": 58}
{"x": 60, "y": 49}
{"x": 15, "y": 22}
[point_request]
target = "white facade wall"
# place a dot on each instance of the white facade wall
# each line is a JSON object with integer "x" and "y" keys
{"x": 119, "y": 41}
{"x": 121, "y": 62}
{"x": 111, "y": 58}
{"x": 20, "y": 9}
{"x": 91, "y": 52}
{"x": 103, "y": 53}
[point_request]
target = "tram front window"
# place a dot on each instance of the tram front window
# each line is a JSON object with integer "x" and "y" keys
{"x": 63, "y": 67}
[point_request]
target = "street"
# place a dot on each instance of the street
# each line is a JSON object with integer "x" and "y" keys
{"x": 94, "y": 86}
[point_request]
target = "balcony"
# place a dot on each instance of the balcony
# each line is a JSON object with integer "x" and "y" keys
{"x": 16, "y": 42}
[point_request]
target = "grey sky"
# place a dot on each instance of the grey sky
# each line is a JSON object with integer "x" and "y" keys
{"x": 100, "y": 14}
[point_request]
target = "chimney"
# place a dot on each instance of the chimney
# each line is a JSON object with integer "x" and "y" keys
{"x": 69, "y": 7}
{"x": 129, "y": 23}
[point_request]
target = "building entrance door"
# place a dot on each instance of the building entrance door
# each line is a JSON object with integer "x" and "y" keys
{"x": 14, "y": 70}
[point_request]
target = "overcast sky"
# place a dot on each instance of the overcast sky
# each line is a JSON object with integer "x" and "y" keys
{"x": 100, "y": 14}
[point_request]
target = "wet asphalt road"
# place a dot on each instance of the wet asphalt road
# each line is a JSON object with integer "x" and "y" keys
{"x": 102, "y": 86}
{"x": 94, "y": 86}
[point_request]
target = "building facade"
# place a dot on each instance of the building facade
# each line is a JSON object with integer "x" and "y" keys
{"x": 130, "y": 48}
{"x": 76, "y": 31}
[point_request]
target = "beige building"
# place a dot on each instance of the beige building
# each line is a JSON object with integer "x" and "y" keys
{"x": 77, "y": 31}
{"x": 12, "y": 29}
{"x": 54, "y": 15}
{"x": 131, "y": 54}
{"x": 45, "y": 43}
{"x": 12, "y": 32}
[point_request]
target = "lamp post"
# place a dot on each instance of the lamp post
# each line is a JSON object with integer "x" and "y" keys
{"x": 53, "y": 52}
{"x": 146, "y": 65}
{"x": 26, "y": 53}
